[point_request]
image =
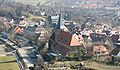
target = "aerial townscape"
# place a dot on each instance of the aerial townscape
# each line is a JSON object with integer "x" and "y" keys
{"x": 59, "y": 34}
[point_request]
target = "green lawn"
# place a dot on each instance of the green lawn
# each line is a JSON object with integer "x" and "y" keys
{"x": 88, "y": 64}
{"x": 8, "y": 66}
{"x": 100, "y": 66}
{"x": 36, "y": 17}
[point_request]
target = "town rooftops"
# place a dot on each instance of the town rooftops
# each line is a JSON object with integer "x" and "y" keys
{"x": 28, "y": 56}
{"x": 98, "y": 37}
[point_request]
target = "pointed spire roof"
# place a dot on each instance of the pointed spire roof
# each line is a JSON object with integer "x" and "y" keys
{"x": 59, "y": 22}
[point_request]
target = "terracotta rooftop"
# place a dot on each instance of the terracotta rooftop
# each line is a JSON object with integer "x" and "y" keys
{"x": 68, "y": 39}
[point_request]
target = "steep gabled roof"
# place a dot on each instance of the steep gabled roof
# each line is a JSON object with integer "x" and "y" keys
{"x": 61, "y": 49}
{"x": 18, "y": 29}
{"x": 62, "y": 41}
{"x": 68, "y": 39}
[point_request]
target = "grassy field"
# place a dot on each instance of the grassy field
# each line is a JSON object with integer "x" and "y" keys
{"x": 10, "y": 65}
{"x": 101, "y": 66}
{"x": 36, "y": 17}
{"x": 91, "y": 64}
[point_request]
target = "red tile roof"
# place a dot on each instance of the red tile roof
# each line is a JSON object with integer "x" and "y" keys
{"x": 97, "y": 48}
{"x": 63, "y": 41}
{"x": 18, "y": 29}
{"x": 61, "y": 49}
{"x": 68, "y": 39}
